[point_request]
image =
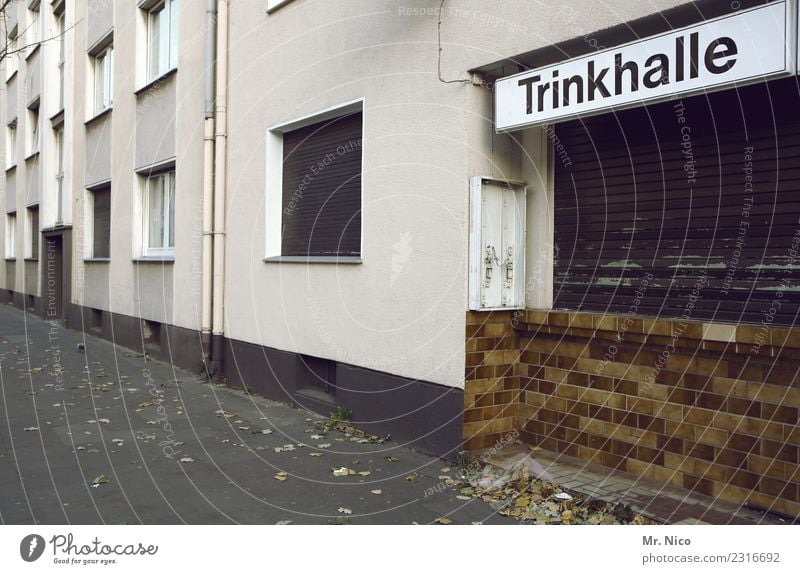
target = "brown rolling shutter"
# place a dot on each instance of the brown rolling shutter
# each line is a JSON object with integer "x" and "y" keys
{"x": 322, "y": 189}
{"x": 102, "y": 223}
{"x": 643, "y": 192}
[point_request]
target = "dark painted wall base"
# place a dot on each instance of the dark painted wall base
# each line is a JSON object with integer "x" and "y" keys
{"x": 426, "y": 416}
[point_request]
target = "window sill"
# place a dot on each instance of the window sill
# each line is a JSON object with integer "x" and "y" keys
{"x": 32, "y": 50}
{"x": 277, "y": 6}
{"x": 328, "y": 260}
{"x": 31, "y": 260}
{"x": 11, "y": 168}
{"x": 98, "y": 115}
{"x": 155, "y": 82}
{"x": 11, "y": 77}
{"x": 97, "y": 260}
{"x": 31, "y": 155}
{"x": 10, "y": 259}
{"x": 154, "y": 259}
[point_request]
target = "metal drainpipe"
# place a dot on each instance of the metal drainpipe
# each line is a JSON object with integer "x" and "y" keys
{"x": 208, "y": 183}
{"x": 220, "y": 174}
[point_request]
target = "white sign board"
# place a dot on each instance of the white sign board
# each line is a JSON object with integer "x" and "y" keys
{"x": 739, "y": 48}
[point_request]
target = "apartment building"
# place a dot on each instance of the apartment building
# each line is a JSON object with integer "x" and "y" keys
{"x": 104, "y": 107}
{"x": 463, "y": 221}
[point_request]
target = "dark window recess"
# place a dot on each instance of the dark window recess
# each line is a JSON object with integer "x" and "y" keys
{"x": 96, "y": 319}
{"x": 316, "y": 375}
{"x": 151, "y": 333}
{"x": 664, "y": 191}
{"x": 34, "y": 232}
{"x": 101, "y": 233}
{"x": 322, "y": 188}
{"x": 30, "y": 302}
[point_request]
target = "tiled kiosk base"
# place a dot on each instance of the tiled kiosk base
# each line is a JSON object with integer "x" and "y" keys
{"x": 708, "y": 407}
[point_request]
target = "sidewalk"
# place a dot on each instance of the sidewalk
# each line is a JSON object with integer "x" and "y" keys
{"x": 174, "y": 449}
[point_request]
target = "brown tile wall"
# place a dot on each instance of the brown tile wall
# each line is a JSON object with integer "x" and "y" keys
{"x": 712, "y": 408}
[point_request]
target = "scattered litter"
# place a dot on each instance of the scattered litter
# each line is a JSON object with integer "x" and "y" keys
{"x": 117, "y": 440}
{"x": 99, "y": 480}
{"x": 392, "y": 459}
{"x": 280, "y": 476}
{"x": 240, "y": 428}
{"x": 187, "y": 459}
{"x": 562, "y": 496}
{"x": 324, "y": 445}
{"x": 411, "y": 478}
{"x": 267, "y": 431}
{"x": 443, "y": 521}
{"x": 104, "y": 421}
{"x": 344, "y": 510}
{"x": 316, "y": 454}
{"x": 343, "y": 471}
{"x": 31, "y": 429}
{"x": 364, "y": 473}
{"x": 317, "y": 436}
{"x": 376, "y": 491}
{"x": 283, "y": 522}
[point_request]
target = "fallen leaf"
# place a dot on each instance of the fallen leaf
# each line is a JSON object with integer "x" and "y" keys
{"x": 317, "y": 436}
{"x": 324, "y": 445}
{"x": 364, "y": 473}
{"x": 104, "y": 421}
{"x": 187, "y": 459}
{"x": 392, "y": 458}
{"x": 411, "y": 478}
{"x": 100, "y": 480}
{"x": 344, "y": 510}
{"x": 282, "y": 475}
{"x": 462, "y": 497}
{"x": 376, "y": 491}
{"x": 267, "y": 431}
{"x": 443, "y": 521}
{"x": 283, "y": 522}
{"x": 240, "y": 428}
{"x": 316, "y": 454}
{"x": 29, "y": 429}
{"x": 343, "y": 471}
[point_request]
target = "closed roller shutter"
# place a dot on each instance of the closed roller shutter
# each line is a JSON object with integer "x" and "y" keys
{"x": 322, "y": 189}
{"x": 644, "y": 193}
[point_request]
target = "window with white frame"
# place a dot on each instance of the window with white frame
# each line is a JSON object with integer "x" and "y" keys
{"x": 158, "y": 214}
{"x": 32, "y": 232}
{"x": 32, "y": 141}
{"x": 314, "y": 187}
{"x": 11, "y": 58}
{"x": 58, "y": 135}
{"x": 162, "y": 38}
{"x": 60, "y": 36}
{"x": 275, "y": 4}
{"x": 11, "y": 144}
{"x": 33, "y": 34}
{"x": 103, "y": 81}
{"x": 11, "y": 235}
